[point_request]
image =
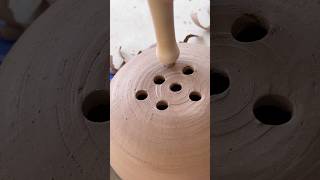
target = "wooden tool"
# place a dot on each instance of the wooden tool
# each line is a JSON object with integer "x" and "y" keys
{"x": 163, "y": 20}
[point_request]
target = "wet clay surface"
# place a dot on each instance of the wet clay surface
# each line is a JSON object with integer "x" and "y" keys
{"x": 265, "y": 116}
{"x": 160, "y": 117}
{"x": 44, "y": 80}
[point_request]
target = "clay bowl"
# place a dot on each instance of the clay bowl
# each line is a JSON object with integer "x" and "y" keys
{"x": 265, "y": 90}
{"x": 160, "y": 121}
{"x": 50, "y": 83}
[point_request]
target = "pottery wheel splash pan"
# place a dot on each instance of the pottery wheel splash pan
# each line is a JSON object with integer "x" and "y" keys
{"x": 48, "y": 88}
{"x": 265, "y": 106}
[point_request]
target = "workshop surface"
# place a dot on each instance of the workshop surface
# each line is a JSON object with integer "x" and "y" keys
{"x": 131, "y": 25}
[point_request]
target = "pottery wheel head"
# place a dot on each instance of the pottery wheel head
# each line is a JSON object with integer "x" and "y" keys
{"x": 160, "y": 117}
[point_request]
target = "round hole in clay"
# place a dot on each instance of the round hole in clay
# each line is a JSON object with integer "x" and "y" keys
{"x": 95, "y": 106}
{"x": 219, "y": 82}
{"x": 159, "y": 79}
{"x": 175, "y": 87}
{"x": 273, "y": 110}
{"x": 141, "y": 95}
{"x": 162, "y": 105}
{"x": 195, "y": 96}
{"x": 188, "y": 70}
{"x": 249, "y": 28}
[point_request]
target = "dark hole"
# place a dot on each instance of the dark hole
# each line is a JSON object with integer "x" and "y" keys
{"x": 273, "y": 110}
{"x": 158, "y": 79}
{"x": 249, "y": 28}
{"x": 175, "y": 87}
{"x": 95, "y": 106}
{"x": 219, "y": 82}
{"x": 162, "y": 105}
{"x": 141, "y": 95}
{"x": 195, "y": 96}
{"x": 187, "y": 70}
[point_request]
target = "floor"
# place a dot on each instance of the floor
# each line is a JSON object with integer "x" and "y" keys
{"x": 132, "y": 29}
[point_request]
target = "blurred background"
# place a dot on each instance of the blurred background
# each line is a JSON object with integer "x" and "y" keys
{"x": 131, "y": 27}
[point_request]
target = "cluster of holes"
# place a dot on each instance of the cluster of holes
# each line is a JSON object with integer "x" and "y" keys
{"x": 174, "y": 87}
{"x": 95, "y": 106}
{"x": 246, "y": 28}
{"x": 269, "y": 109}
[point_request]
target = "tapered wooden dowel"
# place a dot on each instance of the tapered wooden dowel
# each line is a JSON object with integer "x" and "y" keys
{"x": 163, "y": 21}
